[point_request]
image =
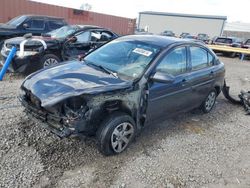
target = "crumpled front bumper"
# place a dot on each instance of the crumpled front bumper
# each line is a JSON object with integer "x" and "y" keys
{"x": 49, "y": 121}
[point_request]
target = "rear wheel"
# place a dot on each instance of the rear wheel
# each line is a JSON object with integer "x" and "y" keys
{"x": 115, "y": 134}
{"x": 49, "y": 60}
{"x": 209, "y": 102}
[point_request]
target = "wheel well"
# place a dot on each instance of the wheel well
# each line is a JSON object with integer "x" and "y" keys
{"x": 117, "y": 105}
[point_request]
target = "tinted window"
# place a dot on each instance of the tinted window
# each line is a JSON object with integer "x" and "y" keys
{"x": 55, "y": 24}
{"x": 83, "y": 37}
{"x": 174, "y": 63}
{"x": 35, "y": 24}
{"x": 200, "y": 58}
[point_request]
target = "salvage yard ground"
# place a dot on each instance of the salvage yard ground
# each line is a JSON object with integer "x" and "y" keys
{"x": 192, "y": 150}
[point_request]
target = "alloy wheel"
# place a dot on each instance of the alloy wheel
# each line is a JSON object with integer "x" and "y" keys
{"x": 210, "y": 101}
{"x": 121, "y": 136}
{"x": 49, "y": 62}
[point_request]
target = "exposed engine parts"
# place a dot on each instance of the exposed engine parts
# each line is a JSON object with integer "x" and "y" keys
{"x": 244, "y": 98}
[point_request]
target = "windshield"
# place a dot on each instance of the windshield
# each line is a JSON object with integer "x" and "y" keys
{"x": 63, "y": 32}
{"x": 128, "y": 59}
{"x": 16, "y": 21}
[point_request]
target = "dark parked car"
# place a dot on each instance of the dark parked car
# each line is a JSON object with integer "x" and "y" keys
{"x": 122, "y": 86}
{"x": 168, "y": 33}
{"x": 203, "y": 37}
{"x": 190, "y": 37}
{"x": 246, "y": 44}
{"x": 65, "y": 43}
{"x": 34, "y": 24}
{"x": 227, "y": 41}
{"x": 183, "y": 35}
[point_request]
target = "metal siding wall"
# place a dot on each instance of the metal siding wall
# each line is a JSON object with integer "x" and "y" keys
{"x": 12, "y": 8}
{"x": 159, "y": 23}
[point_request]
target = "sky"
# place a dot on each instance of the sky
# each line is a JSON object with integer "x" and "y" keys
{"x": 236, "y": 11}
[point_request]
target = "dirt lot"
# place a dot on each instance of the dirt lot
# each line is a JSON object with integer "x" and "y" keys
{"x": 192, "y": 150}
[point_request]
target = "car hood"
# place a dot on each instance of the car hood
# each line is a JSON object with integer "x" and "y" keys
{"x": 6, "y": 27}
{"x": 17, "y": 40}
{"x": 69, "y": 79}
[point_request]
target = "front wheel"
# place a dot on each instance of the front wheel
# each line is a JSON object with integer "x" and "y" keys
{"x": 49, "y": 60}
{"x": 209, "y": 102}
{"x": 115, "y": 134}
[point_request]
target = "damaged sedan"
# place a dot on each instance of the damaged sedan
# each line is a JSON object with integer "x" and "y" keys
{"x": 122, "y": 86}
{"x": 66, "y": 43}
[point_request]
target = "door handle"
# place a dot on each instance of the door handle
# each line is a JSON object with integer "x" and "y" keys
{"x": 184, "y": 81}
{"x": 212, "y": 73}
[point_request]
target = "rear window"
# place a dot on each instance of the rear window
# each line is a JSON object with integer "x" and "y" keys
{"x": 224, "y": 40}
{"x": 55, "y": 24}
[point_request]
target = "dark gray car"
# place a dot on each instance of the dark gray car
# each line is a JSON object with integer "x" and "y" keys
{"x": 122, "y": 86}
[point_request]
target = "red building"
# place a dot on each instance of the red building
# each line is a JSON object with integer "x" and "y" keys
{"x": 13, "y": 8}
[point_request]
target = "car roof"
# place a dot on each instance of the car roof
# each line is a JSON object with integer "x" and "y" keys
{"x": 156, "y": 40}
{"x": 41, "y": 16}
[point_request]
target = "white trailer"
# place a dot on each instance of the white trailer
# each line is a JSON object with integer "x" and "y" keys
{"x": 157, "y": 22}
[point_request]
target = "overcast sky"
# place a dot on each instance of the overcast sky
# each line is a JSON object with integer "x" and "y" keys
{"x": 235, "y": 10}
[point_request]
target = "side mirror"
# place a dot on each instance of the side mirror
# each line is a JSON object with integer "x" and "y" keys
{"x": 162, "y": 78}
{"x": 25, "y": 26}
{"x": 72, "y": 39}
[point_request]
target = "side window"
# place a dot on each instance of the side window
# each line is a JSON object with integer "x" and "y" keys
{"x": 55, "y": 24}
{"x": 36, "y": 24}
{"x": 83, "y": 37}
{"x": 175, "y": 62}
{"x": 199, "y": 58}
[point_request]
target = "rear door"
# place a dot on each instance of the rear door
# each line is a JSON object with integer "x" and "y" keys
{"x": 202, "y": 76}
{"x": 167, "y": 99}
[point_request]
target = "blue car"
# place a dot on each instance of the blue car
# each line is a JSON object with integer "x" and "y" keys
{"x": 120, "y": 87}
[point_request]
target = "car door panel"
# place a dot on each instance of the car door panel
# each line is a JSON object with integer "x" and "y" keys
{"x": 203, "y": 73}
{"x": 166, "y": 99}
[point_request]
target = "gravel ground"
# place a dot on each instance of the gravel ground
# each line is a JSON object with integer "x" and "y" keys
{"x": 192, "y": 150}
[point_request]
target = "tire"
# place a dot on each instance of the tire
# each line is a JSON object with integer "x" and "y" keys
{"x": 113, "y": 132}
{"x": 209, "y": 102}
{"x": 49, "y": 60}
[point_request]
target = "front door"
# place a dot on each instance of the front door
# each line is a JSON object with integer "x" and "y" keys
{"x": 166, "y": 99}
